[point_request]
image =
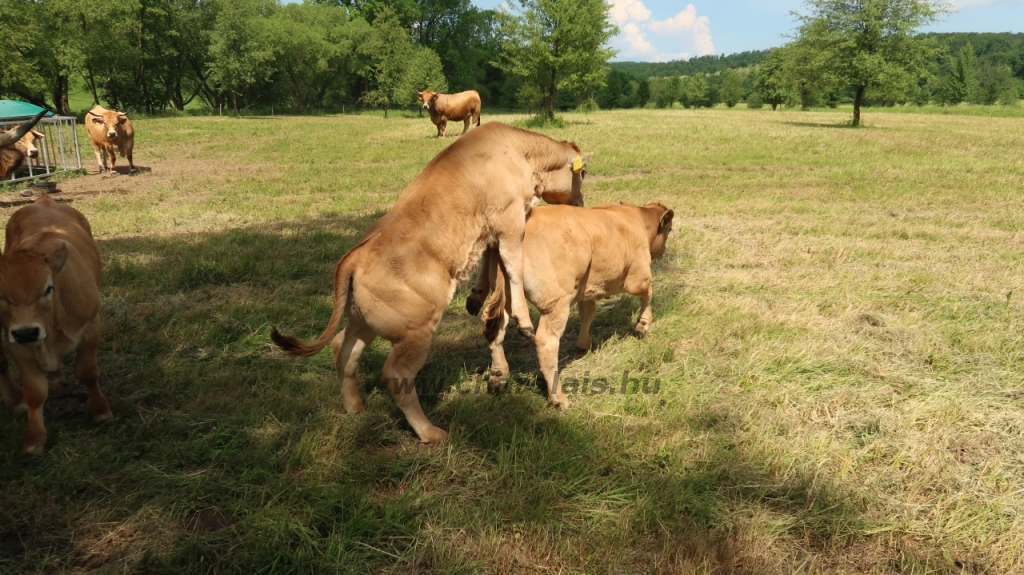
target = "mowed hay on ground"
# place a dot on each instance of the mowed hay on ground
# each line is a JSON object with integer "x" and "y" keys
{"x": 833, "y": 373}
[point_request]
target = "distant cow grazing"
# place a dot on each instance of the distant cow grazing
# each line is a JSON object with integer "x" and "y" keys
{"x": 110, "y": 130}
{"x": 461, "y": 107}
{"x": 49, "y": 307}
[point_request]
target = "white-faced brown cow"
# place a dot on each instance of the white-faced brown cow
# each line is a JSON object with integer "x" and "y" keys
{"x": 14, "y": 156}
{"x": 576, "y": 256}
{"x": 398, "y": 280}
{"x": 462, "y": 107}
{"x": 110, "y": 131}
{"x": 49, "y": 306}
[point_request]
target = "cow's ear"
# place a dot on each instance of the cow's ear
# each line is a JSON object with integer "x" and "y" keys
{"x": 121, "y": 118}
{"x": 38, "y": 134}
{"x": 666, "y": 220}
{"x": 58, "y": 258}
{"x": 97, "y": 119}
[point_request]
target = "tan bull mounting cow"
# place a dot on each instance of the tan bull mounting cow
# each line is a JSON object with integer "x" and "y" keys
{"x": 462, "y": 107}
{"x": 110, "y": 131}
{"x": 398, "y": 280}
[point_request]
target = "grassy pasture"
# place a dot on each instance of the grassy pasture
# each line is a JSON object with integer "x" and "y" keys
{"x": 837, "y": 341}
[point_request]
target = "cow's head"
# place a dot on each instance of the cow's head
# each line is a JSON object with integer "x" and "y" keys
{"x": 27, "y": 144}
{"x": 564, "y": 183}
{"x": 427, "y": 98}
{"x": 659, "y": 223}
{"x": 27, "y": 291}
{"x": 110, "y": 121}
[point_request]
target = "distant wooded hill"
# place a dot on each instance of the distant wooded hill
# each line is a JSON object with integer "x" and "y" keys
{"x": 994, "y": 48}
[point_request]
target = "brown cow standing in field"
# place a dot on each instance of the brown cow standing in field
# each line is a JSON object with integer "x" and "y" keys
{"x": 576, "y": 255}
{"x": 110, "y": 130}
{"x": 49, "y": 306}
{"x": 398, "y": 280}
{"x": 462, "y": 107}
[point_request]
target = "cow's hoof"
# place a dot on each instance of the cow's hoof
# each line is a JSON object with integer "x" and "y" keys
{"x": 35, "y": 449}
{"x": 497, "y": 381}
{"x": 560, "y": 402}
{"x": 527, "y": 332}
{"x": 640, "y": 330}
{"x": 433, "y": 435}
{"x": 473, "y": 306}
{"x": 101, "y": 417}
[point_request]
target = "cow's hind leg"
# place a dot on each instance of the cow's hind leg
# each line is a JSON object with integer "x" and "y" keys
{"x": 128, "y": 154}
{"x": 495, "y": 331}
{"x": 549, "y": 331}
{"x": 588, "y": 309}
{"x": 466, "y": 123}
{"x": 87, "y": 372}
{"x": 406, "y": 359}
{"x": 510, "y": 248}
{"x": 348, "y": 346}
{"x": 478, "y": 293}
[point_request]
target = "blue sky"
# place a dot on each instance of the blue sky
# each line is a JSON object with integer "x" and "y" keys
{"x": 662, "y": 30}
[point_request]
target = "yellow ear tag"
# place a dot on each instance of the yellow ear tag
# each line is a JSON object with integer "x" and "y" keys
{"x": 577, "y": 164}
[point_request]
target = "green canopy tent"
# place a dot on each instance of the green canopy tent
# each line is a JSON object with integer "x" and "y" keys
{"x": 58, "y": 150}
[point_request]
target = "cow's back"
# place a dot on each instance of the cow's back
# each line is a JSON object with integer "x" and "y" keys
{"x": 50, "y": 224}
{"x": 457, "y": 107}
{"x": 565, "y": 245}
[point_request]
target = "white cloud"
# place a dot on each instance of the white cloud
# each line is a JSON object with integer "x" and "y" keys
{"x": 684, "y": 29}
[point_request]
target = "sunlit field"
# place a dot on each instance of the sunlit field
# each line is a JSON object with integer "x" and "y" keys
{"x": 834, "y": 372}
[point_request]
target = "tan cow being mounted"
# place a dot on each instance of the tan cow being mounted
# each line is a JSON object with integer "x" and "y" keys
{"x": 49, "y": 306}
{"x": 398, "y": 280}
{"x": 110, "y": 131}
{"x": 576, "y": 256}
{"x": 462, "y": 107}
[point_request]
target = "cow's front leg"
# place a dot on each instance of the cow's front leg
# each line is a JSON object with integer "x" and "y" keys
{"x": 510, "y": 248}
{"x": 87, "y": 372}
{"x": 34, "y": 386}
{"x": 101, "y": 159}
{"x": 440, "y": 128}
{"x": 588, "y": 309}
{"x": 9, "y": 389}
{"x": 478, "y": 293}
{"x": 113, "y": 161}
{"x": 645, "y": 291}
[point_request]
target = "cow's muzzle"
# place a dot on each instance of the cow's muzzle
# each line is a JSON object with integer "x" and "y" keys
{"x": 26, "y": 335}
{"x": 111, "y": 134}
{"x": 32, "y": 153}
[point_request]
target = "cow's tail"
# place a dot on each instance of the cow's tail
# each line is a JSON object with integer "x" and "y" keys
{"x": 342, "y": 285}
{"x": 478, "y": 114}
{"x": 494, "y": 306}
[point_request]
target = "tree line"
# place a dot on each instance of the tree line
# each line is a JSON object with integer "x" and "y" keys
{"x": 545, "y": 55}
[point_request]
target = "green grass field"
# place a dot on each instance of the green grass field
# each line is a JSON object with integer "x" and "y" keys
{"x": 837, "y": 341}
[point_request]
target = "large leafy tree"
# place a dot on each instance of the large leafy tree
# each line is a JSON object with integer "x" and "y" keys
{"x": 868, "y": 43}
{"x": 391, "y": 50}
{"x": 770, "y": 81}
{"x": 554, "y": 44}
{"x": 242, "y": 49}
{"x": 731, "y": 91}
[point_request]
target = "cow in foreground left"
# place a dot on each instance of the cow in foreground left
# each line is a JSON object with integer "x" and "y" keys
{"x": 49, "y": 307}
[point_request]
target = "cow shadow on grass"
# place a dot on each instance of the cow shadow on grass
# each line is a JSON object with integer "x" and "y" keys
{"x": 212, "y": 422}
